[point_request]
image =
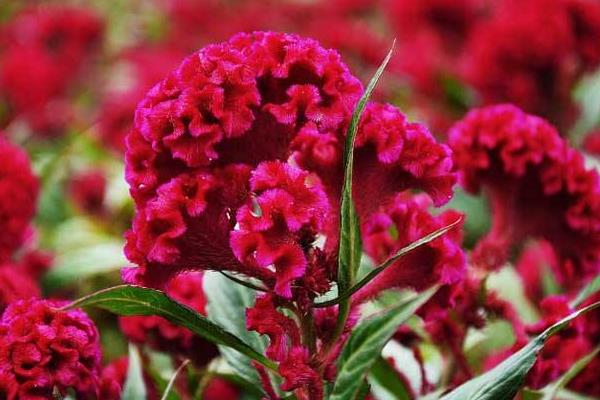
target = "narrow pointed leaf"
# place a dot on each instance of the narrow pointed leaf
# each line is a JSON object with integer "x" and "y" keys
{"x": 383, "y": 266}
{"x": 365, "y": 345}
{"x": 504, "y": 381}
{"x": 586, "y": 292}
{"x": 552, "y": 390}
{"x": 134, "y": 387}
{"x": 350, "y": 248}
{"x": 137, "y": 300}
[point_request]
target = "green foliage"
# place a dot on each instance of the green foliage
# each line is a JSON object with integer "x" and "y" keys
{"x": 227, "y": 303}
{"x": 366, "y": 342}
{"x": 504, "y": 381}
{"x": 136, "y": 300}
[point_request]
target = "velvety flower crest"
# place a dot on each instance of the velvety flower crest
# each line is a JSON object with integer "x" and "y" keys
{"x": 43, "y": 348}
{"x": 537, "y": 186}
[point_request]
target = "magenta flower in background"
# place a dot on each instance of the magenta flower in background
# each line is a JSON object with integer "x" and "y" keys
{"x": 537, "y": 186}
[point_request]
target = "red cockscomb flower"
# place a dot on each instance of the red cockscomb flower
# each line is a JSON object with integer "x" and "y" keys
{"x": 45, "y": 349}
{"x": 531, "y": 53}
{"x": 537, "y": 186}
{"x": 536, "y": 263}
{"x": 18, "y": 197}
{"x": 165, "y": 336}
{"x": 43, "y": 50}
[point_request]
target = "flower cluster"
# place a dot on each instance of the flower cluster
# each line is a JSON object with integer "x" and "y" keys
{"x": 537, "y": 186}
{"x": 235, "y": 164}
{"x": 42, "y": 50}
{"x": 44, "y": 349}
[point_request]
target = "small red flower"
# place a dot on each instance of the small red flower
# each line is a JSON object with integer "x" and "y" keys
{"x": 43, "y": 348}
{"x": 87, "y": 190}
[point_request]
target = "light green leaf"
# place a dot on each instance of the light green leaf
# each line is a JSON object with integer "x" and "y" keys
{"x": 134, "y": 387}
{"x": 504, "y": 381}
{"x": 552, "y": 390}
{"x": 586, "y": 292}
{"x": 227, "y": 303}
{"x": 365, "y": 345}
{"x": 137, "y": 300}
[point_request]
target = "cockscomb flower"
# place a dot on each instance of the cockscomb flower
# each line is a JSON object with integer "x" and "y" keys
{"x": 18, "y": 197}
{"x": 403, "y": 222}
{"x": 44, "y": 349}
{"x": 167, "y": 337}
{"x": 537, "y": 187}
{"x": 531, "y": 53}
{"x": 43, "y": 51}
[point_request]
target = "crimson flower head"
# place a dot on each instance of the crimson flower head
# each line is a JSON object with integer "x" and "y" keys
{"x": 531, "y": 53}
{"x": 18, "y": 197}
{"x": 164, "y": 336}
{"x": 43, "y": 49}
{"x": 43, "y": 349}
{"x": 235, "y": 162}
{"x": 537, "y": 187}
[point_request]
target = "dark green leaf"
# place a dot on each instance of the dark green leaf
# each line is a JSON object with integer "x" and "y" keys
{"x": 365, "y": 345}
{"x": 504, "y": 381}
{"x": 137, "y": 300}
{"x": 350, "y": 249}
{"x": 384, "y": 375}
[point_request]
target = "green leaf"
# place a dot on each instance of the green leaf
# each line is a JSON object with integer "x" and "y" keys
{"x": 586, "y": 292}
{"x": 552, "y": 390}
{"x": 365, "y": 345}
{"x": 134, "y": 387}
{"x": 504, "y": 381}
{"x": 227, "y": 303}
{"x": 350, "y": 248}
{"x": 390, "y": 261}
{"x": 384, "y": 375}
{"x": 167, "y": 393}
{"x": 137, "y": 300}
